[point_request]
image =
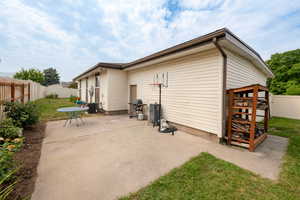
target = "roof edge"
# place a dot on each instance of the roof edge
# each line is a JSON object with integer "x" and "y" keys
{"x": 180, "y": 47}
{"x": 103, "y": 65}
{"x": 220, "y": 33}
{"x": 252, "y": 50}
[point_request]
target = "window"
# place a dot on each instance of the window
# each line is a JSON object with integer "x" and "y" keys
{"x": 97, "y": 81}
{"x": 86, "y": 90}
{"x": 80, "y": 89}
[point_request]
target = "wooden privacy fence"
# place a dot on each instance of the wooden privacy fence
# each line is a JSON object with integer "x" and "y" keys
{"x": 15, "y": 91}
{"x": 12, "y": 92}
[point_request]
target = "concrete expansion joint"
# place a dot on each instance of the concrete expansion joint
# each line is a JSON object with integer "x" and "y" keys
{"x": 69, "y": 139}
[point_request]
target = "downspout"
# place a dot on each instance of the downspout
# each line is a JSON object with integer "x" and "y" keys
{"x": 224, "y": 70}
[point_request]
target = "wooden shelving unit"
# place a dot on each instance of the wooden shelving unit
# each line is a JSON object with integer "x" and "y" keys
{"x": 242, "y": 126}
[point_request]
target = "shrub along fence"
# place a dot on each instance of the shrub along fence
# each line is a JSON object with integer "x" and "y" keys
{"x": 19, "y": 114}
{"x": 12, "y": 90}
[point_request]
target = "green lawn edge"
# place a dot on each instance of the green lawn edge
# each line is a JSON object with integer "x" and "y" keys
{"x": 48, "y": 108}
{"x": 207, "y": 177}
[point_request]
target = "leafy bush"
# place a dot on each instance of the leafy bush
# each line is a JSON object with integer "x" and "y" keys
{"x": 6, "y": 162}
{"x": 6, "y": 190}
{"x": 30, "y": 74}
{"x": 286, "y": 67}
{"x": 293, "y": 90}
{"x": 8, "y": 129}
{"x": 52, "y": 96}
{"x": 23, "y": 115}
{"x": 13, "y": 145}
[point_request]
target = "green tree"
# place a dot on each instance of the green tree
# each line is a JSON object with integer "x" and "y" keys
{"x": 30, "y": 74}
{"x": 286, "y": 67}
{"x": 51, "y": 76}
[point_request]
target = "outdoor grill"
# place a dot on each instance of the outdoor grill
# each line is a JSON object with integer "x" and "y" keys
{"x": 137, "y": 107}
{"x": 137, "y": 102}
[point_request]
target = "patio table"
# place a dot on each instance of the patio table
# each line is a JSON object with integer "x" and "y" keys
{"x": 73, "y": 113}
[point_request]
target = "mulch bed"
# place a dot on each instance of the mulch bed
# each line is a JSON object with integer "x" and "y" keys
{"x": 28, "y": 159}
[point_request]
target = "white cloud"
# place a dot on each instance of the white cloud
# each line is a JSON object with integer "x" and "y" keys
{"x": 123, "y": 30}
{"x": 199, "y": 4}
{"x": 141, "y": 28}
{"x": 35, "y": 40}
{"x": 135, "y": 25}
{"x": 32, "y": 21}
{"x": 256, "y": 22}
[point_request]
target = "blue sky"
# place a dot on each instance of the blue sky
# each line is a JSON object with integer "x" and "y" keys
{"x": 72, "y": 35}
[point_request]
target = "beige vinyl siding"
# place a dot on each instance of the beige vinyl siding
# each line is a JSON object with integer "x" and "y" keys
{"x": 83, "y": 88}
{"x": 241, "y": 72}
{"x": 83, "y": 85}
{"x": 116, "y": 90}
{"x": 103, "y": 89}
{"x": 79, "y": 92}
{"x": 91, "y": 82}
{"x": 193, "y": 95}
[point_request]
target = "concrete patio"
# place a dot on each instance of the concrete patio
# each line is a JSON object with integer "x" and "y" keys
{"x": 111, "y": 156}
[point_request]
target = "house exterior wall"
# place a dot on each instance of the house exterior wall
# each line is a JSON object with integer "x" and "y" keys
{"x": 113, "y": 89}
{"x": 194, "y": 94}
{"x": 103, "y": 90}
{"x": 83, "y": 85}
{"x": 79, "y": 88}
{"x": 92, "y": 82}
{"x": 116, "y": 90}
{"x": 241, "y": 72}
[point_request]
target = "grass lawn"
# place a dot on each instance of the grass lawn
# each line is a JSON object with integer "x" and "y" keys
{"x": 48, "y": 108}
{"x": 206, "y": 177}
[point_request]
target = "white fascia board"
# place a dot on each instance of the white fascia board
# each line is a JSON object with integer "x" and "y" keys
{"x": 98, "y": 69}
{"x": 251, "y": 55}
